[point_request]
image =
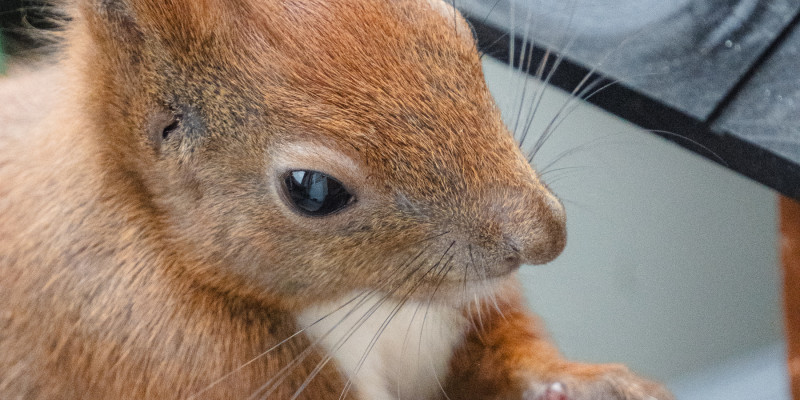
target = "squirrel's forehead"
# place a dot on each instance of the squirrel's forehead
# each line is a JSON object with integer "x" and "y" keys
{"x": 323, "y": 29}
{"x": 318, "y": 29}
{"x": 354, "y": 52}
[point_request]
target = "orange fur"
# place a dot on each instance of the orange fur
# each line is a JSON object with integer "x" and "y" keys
{"x": 133, "y": 266}
{"x": 507, "y": 356}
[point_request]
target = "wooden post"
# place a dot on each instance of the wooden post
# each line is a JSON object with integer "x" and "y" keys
{"x": 790, "y": 254}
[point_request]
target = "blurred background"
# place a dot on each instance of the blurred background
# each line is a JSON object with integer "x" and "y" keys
{"x": 671, "y": 264}
{"x": 20, "y": 20}
{"x": 672, "y": 261}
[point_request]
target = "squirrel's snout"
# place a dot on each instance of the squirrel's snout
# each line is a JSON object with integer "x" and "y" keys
{"x": 545, "y": 232}
{"x": 533, "y": 228}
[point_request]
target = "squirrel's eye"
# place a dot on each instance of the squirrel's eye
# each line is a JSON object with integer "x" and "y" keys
{"x": 314, "y": 193}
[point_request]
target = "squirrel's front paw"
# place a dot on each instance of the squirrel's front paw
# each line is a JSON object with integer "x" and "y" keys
{"x": 591, "y": 382}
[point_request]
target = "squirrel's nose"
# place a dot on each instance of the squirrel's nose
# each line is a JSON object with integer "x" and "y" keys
{"x": 534, "y": 229}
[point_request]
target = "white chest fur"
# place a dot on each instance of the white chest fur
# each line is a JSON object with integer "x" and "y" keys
{"x": 388, "y": 350}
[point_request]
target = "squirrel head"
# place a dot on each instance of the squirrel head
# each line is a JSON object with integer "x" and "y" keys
{"x": 309, "y": 148}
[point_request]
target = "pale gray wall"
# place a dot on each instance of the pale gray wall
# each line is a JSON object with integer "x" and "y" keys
{"x": 671, "y": 264}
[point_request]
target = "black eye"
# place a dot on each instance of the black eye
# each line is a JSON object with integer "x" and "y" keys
{"x": 315, "y": 193}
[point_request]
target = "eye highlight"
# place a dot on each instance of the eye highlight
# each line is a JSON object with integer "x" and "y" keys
{"x": 316, "y": 194}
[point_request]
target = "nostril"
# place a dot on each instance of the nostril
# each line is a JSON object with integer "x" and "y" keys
{"x": 512, "y": 262}
{"x": 514, "y": 252}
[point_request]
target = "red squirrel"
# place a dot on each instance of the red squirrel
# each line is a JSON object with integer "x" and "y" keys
{"x": 249, "y": 199}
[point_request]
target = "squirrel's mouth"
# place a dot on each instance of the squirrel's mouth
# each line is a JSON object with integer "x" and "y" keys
{"x": 455, "y": 291}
